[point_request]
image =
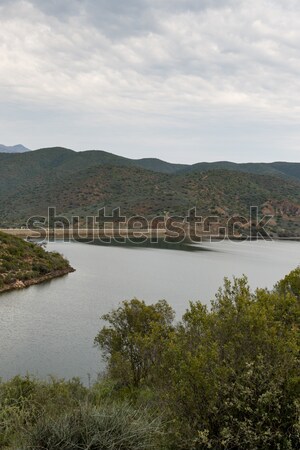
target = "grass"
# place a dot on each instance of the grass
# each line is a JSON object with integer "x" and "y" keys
{"x": 64, "y": 415}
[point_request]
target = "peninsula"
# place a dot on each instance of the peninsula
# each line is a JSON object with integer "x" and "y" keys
{"x": 23, "y": 264}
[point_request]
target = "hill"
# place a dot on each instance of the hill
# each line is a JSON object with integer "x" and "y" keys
{"x": 157, "y": 165}
{"x": 23, "y": 264}
{"x": 66, "y": 160}
{"x": 280, "y": 169}
{"x": 80, "y": 183}
{"x": 13, "y": 149}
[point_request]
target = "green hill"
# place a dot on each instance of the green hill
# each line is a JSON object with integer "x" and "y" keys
{"x": 280, "y": 169}
{"x": 157, "y": 165}
{"x": 80, "y": 183}
{"x": 23, "y": 264}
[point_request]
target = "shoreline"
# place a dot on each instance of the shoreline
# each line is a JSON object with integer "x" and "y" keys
{"x": 85, "y": 233}
{"x": 18, "y": 284}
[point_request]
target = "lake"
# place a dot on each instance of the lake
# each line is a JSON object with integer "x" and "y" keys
{"x": 50, "y": 328}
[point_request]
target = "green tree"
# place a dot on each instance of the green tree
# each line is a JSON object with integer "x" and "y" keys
{"x": 133, "y": 341}
{"x": 230, "y": 377}
{"x": 290, "y": 283}
{"x": 225, "y": 377}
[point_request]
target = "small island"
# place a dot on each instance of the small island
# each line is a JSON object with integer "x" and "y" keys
{"x": 24, "y": 264}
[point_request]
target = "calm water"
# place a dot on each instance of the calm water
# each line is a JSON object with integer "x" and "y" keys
{"x": 49, "y": 329}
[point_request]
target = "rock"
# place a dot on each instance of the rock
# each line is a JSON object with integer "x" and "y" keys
{"x": 18, "y": 284}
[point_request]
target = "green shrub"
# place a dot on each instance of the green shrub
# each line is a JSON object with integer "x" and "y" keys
{"x": 24, "y": 399}
{"x": 226, "y": 377}
{"x": 109, "y": 427}
{"x": 41, "y": 268}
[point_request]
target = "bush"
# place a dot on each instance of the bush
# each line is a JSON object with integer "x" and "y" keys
{"x": 42, "y": 269}
{"x": 231, "y": 374}
{"x": 24, "y": 399}
{"x": 109, "y": 427}
{"x": 225, "y": 377}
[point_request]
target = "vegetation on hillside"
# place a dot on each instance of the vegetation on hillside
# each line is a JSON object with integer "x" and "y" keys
{"x": 141, "y": 192}
{"x": 279, "y": 169}
{"x": 222, "y": 378}
{"x": 66, "y": 161}
{"x": 22, "y": 263}
{"x": 81, "y": 183}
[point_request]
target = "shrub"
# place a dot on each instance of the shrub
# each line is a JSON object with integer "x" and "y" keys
{"x": 109, "y": 427}
{"x": 231, "y": 374}
{"x": 226, "y": 376}
{"x": 23, "y": 400}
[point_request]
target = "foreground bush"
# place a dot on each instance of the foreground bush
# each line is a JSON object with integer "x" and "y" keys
{"x": 23, "y": 400}
{"x": 226, "y": 377}
{"x": 58, "y": 414}
{"x": 231, "y": 374}
{"x": 109, "y": 427}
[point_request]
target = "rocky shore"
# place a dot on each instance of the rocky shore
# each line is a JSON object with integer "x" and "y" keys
{"x": 19, "y": 284}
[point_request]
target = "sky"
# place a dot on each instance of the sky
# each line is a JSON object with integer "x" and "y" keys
{"x": 181, "y": 80}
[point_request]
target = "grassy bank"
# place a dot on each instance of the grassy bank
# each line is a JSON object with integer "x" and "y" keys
{"x": 23, "y": 264}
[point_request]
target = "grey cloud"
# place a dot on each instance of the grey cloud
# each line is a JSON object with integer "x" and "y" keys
{"x": 58, "y": 8}
{"x": 179, "y": 72}
{"x": 118, "y": 19}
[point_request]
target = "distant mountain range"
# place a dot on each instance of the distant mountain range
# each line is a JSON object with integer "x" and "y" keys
{"x": 80, "y": 183}
{"x": 91, "y": 158}
{"x": 13, "y": 149}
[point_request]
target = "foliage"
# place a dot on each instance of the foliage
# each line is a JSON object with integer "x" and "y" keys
{"x": 224, "y": 377}
{"x": 133, "y": 342}
{"x": 24, "y": 400}
{"x": 290, "y": 284}
{"x": 20, "y": 260}
{"x": 232, "y": 373}
{"x": 227, "y": 377}
{"x": 62, "y": 414}
{"x": 80, "y": 183}
{"x": 108, "y": 427}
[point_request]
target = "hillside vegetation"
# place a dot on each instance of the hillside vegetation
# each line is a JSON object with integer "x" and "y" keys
{"x": 23, "y": 264}
{"x": 83, "y": 182}
{"x": 65, "y": 160}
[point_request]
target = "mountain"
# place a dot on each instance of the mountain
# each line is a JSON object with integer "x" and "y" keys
{"x": 13, "y": 149}
{"x": 80, "y": 183}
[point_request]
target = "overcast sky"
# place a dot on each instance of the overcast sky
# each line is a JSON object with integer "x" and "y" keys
{"x": 182, "y": 80}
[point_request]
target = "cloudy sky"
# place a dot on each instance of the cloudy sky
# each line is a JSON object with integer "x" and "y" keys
{"x": 182, "y": 80}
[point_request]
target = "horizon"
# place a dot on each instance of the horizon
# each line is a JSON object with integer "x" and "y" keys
{"x": 147, "y": 157}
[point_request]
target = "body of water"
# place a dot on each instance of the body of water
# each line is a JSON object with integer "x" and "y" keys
{"x": 50, "y": 328}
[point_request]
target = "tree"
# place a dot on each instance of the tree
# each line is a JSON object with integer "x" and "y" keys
{"x": 225, "y": 377}
{"x": 133, "y": 340}
{"x": 230, "y": 377}
{"x": 290, "y": 284}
